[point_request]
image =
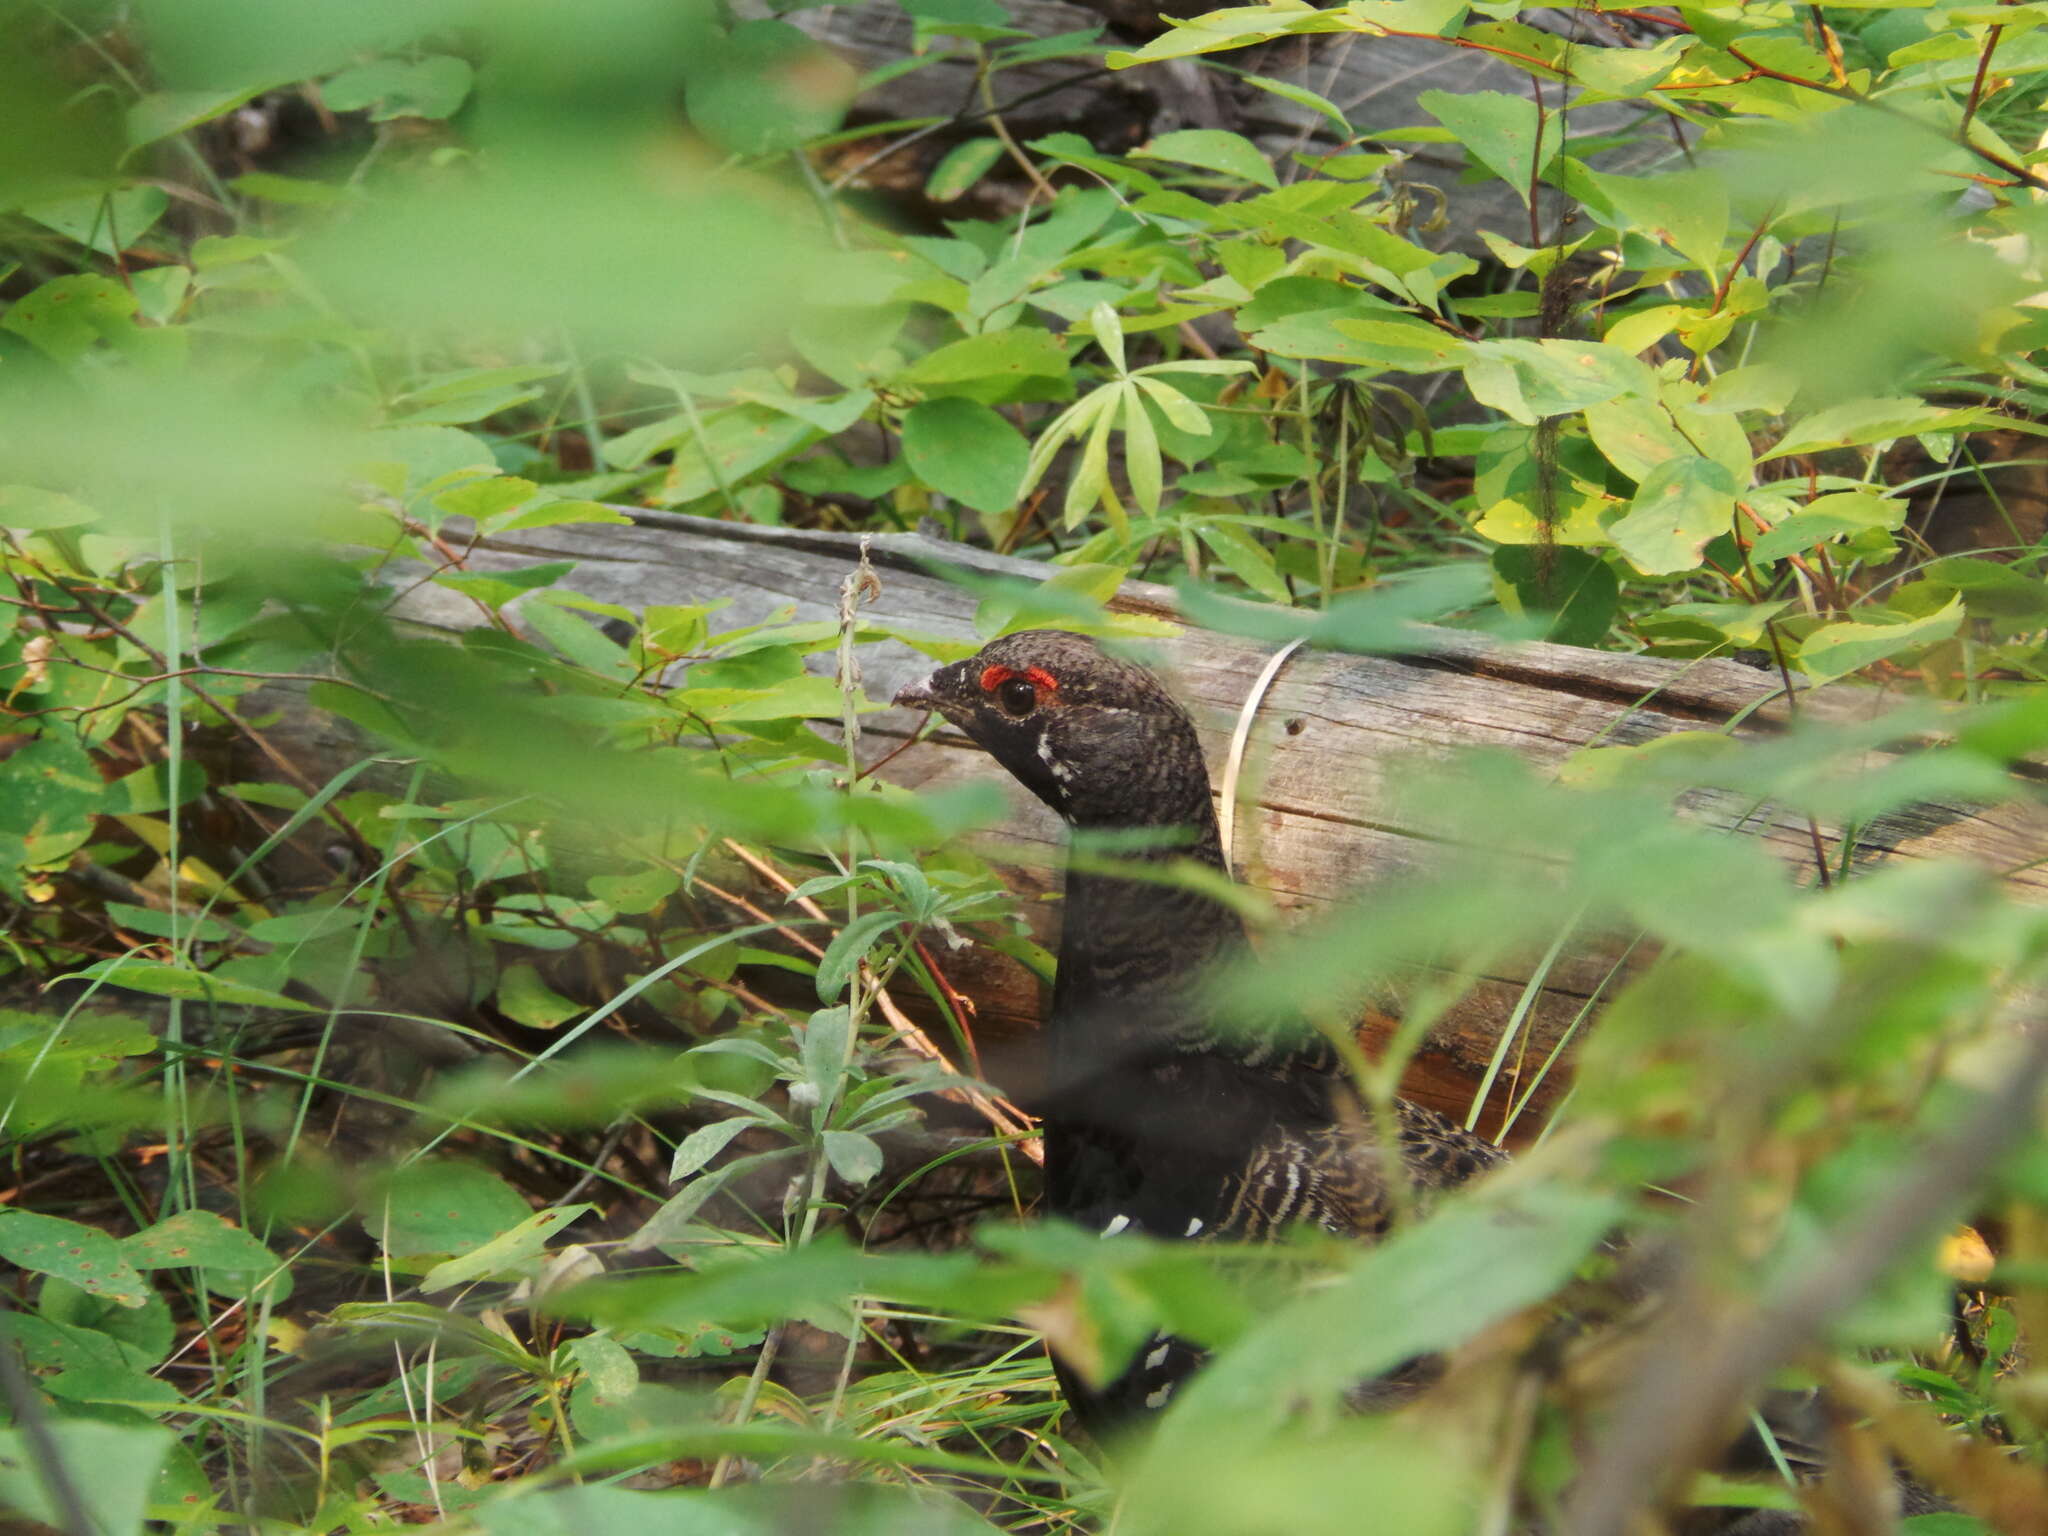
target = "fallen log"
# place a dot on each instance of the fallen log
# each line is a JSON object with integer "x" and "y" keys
{"x": 1316, "y": 811}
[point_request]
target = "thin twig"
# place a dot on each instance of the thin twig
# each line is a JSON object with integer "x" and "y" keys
{"x": 1977, "y": 83}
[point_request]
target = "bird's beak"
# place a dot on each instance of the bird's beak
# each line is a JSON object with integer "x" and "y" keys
{"x": 917, "y": 695}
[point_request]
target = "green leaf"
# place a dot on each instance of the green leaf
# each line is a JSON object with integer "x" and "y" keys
{"x": 607, "y": 1363}
{"x": 1681, "y": 504}
{"x": 706, "y": 1142}
{"x": 1090, "y": 483}
{"x": 1211, "y": 149}
{"x": 145, "y": 1333}
{"x": 738, "y": 441}
{"x": 525, "y": 999}
{"x": 1636, "y": 433}
{"x": 962, "y": 449}
{"x": 971, "y": 20}
{"x": 1248, "y": 560}
{"x": 442, "y": 1206}
{"x": 848, "y": 948}
{"x": 164, "y": 925}
{"x": 1622, "y": 73}
{"x": 33, "y": 509}
{"x": 827, "y": 1047}
{"x": 1990, "y": 589}
{"x": 1828, "y": 517}
{"x": 1836, "y": 650}
{"x": 1109, "y": 333}
{"x": 90, "y": 1366}
{"x": 575, "y": 638}
{"x": 1686, "y": 210}
{"x": 1856, "y": 422}
{"x": 52, "y": 793}
{"x": 1500, "y": 132}
{"x": 828, "y": 415}
{"x": 509, "y": 1255}
{"x": 67, "y": 315}
{"x": 79, "y": 1255}
{"x": 672, "y": 1221}
{"x": 229, "y": 1259}
{"x": 113, "y": 1469}
{"x": 1379, "y": 340}
{"x": 1141, "y": 449}
{"x": 432, "y": 87}
{"x": 1425, "y": 1289}
{"x": 1007, "y": 358}
{"x": 964, "y": 164}
{"x": 1239, "y": 26}
{"x": 161, "y": 979}
{"x": 1579, "y": 591}
{"x": 1529, "y": 380}
{"x": 108, "y": 223}
{"x": 1301, "y": 96}
{"x": 854, "y": 1157}
{"x": 807, "y": 697}
{"x": 1177, "y": 408}
{"x": 637, "y": 892}
{"x": 1411, "y": 346}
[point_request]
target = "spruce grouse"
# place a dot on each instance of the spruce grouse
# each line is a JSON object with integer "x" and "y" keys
{"x": 1156, "y": 1120}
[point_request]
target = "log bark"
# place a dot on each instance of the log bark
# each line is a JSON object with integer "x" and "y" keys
{"x": 1316, "y": 813}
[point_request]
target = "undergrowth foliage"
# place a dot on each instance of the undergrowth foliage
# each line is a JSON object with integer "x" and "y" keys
{"x": 477, "y": 1050}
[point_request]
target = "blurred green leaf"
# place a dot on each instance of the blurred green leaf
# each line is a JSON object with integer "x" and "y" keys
{"x": 765, "y": 86}
{"x": 1423, "y": 1290}
{"x": 107, "y": 223}
{"x": 442, "y": 1206}
{"x": 432, "y": 86}
{"x": 112, "y": 1468}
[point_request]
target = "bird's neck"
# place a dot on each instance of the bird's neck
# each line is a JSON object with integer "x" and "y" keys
{"x": 1136, "y": 935}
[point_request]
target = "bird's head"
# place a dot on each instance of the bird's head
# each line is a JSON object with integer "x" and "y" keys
{"x": 1093, "y": 736}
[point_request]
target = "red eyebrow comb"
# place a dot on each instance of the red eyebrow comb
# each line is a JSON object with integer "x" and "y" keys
{"x": 993, "y": 678}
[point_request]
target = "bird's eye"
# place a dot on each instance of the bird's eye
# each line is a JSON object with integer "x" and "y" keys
{"x": 1018, "y": 696}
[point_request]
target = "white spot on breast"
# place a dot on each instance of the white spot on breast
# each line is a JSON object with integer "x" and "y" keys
{"x": 1060, "y": 770}
{"x": 1158, "y": 1399}
{"x": 1194, "y": 1226}
{"x": 1116, "y": 1225}
{"x": 1158, "y": 1357}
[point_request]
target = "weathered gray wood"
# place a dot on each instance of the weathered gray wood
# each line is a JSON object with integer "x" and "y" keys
{"x": 1318, "y": 814}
